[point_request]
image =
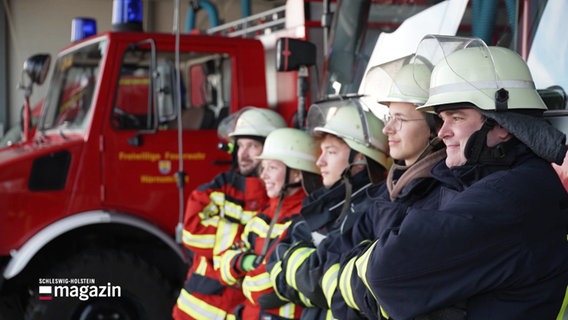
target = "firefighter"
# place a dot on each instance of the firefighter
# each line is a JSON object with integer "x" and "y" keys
{"x": 496, "y": 247}
{"x": 217, "y": 212}
{"x": 288, "y": 157}
{"x": 353, "y": 158}
{"x": 414, "y": 148}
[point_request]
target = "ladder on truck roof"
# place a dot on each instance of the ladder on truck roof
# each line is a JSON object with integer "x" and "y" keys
{"x": 252, "y": 26}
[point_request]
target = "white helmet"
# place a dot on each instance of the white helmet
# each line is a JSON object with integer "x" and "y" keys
{"x": 360, "y": 129}
{"x": 410, "y": 84}
{"x": 491, "y": 78}
{"x": 294, "y": 147}
{"x": 250, "y": 121}
{"x": 494, "y": 80}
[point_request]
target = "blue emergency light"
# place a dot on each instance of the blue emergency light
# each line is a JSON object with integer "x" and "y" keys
{"x": 82, "y": 28}
{"x": 127, "y": 15}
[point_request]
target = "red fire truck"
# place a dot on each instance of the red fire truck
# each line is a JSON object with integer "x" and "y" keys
{"x": 92, "y": 199}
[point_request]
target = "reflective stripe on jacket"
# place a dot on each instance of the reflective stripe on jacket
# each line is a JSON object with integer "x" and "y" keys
{"x": 497, "y": 244}
{"x": 214, "y": 220}
{"x": 256, "y": 284}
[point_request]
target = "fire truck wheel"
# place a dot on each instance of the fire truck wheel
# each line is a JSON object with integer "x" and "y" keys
{"x": 104, "y": 284}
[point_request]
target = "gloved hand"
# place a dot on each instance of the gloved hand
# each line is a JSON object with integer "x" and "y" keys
{"x": 247, "y": 263}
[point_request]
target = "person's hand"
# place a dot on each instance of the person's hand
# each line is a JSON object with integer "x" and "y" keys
{"x": 247, "y": 263}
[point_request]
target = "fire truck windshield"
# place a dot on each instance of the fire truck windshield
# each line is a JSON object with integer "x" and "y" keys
{"x": 69, "y": 98}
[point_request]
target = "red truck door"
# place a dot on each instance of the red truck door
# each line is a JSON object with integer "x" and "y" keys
{"x": 140, "y": 156}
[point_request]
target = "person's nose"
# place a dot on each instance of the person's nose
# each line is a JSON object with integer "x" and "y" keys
{"x": 320, "y": 162}
{"x": 444, "y": 131}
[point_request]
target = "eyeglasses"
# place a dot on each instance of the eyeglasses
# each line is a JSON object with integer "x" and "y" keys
{"x": 396, "y": 121}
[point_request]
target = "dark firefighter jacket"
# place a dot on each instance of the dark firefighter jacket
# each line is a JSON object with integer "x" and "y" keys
{"x": 496, "y": 245}
{"x": 297, "y": 268}
{"x": 405, "y": 186}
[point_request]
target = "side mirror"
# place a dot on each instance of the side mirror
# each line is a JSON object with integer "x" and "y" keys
{"x": 37, "y": 67}
{"x": 291, "y": 54}
{"x": 166, "y": 94}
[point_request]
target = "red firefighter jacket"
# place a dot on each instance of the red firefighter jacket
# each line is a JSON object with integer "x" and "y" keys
{"x": 214, "y": 220}
{"x": 256, "y": 284}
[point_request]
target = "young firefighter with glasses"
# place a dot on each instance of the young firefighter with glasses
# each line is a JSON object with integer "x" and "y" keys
{"x": 415, "y": 148}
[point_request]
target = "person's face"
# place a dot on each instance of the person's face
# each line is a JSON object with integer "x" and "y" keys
{"x": 458, "y": 126}
{"x": 408, "y": 132}
{"x": 248, "y": 150}
{"x": 333, "y": 160}
{"x": 273, "y": 173}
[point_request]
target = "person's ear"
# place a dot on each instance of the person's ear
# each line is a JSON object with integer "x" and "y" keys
{"x": 359, "y": 157}
{"x": 295, "y": 176}
{"x": 502, "y": 133}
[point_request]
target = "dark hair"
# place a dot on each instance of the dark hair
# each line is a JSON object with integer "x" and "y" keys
{"x": 434, "y": 123}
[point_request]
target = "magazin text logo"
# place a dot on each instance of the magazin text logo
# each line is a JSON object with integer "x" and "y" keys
{"x": 79, "y": 288}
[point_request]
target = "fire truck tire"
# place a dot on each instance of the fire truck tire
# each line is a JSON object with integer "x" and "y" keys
{"x": 144, "y": 293}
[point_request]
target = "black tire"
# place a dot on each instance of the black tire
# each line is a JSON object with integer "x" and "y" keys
{"x": 145, "y": 294}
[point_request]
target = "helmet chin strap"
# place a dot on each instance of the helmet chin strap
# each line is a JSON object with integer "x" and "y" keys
{"x": 346, "y": 176}
{"x": 478, "y": 142}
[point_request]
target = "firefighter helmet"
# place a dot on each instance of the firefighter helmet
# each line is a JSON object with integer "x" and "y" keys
{"x": 250, "y": 121}
{"x": 491, "y": 78}
{"x": 294, "y": 147}
{"x": 360, "y": 129}
{"x": 410, "y": 84}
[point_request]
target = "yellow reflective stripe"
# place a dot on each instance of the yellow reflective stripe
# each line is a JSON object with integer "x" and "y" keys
{"x": 562, "y": 315}
{"x": 345, "y": 284}
{"x": 260, "y": 227}
{"x": 362, "y": 263}
{"x": 329, "y": 315}
{"x": 257, "y": 226}
{"x": 133, "y": 81}
{"x": 226, "y": 235}
{"x": 257, "y": 283}
{"x": 199, "y": 309}
{"x": 305, "y": 300}
{"x": 228, "y": 209}
{"x": 287, "y": 310}
{"x": 295, "y": 260}
{"x": 234, "y": 211}
{"x": 202, "y": 266}
{"x": 208, "y": 211}
{"x": 274, "y": 273}
{"x": 202, "y": 241}
{"x": 211, "y": 221}
{"x": 226, "y": 265}
{"x": 279, "y": 229}
{"x": 262, "y": 282}
{"x": 212, "y": 208}
{"x": 384, "y": 313}
{"x": 247, "y": 215}
{"x": 329, "y": 282}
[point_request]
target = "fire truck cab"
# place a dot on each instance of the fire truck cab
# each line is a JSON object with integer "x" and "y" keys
{"x": 94, "y": 193}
